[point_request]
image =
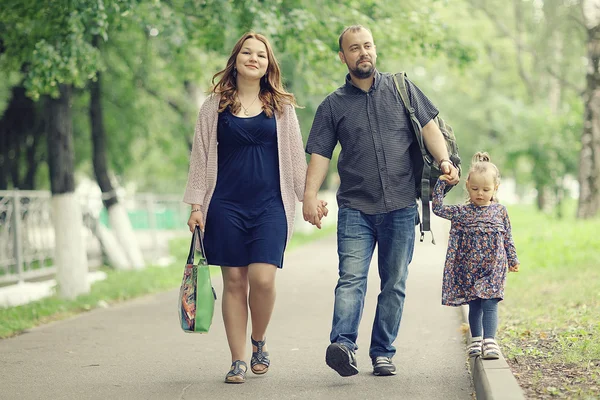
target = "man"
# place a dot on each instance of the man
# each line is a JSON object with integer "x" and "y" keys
{"x": 376, "y": 197}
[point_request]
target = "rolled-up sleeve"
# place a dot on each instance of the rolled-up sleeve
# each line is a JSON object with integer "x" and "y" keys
{"x": 424, "y": 108}
{"x": 322, "y": 138}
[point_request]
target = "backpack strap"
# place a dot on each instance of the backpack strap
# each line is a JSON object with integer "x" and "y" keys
{"x": 425, "y": 225}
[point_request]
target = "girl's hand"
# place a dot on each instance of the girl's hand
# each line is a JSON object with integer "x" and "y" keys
{"x": 514, "y": 268}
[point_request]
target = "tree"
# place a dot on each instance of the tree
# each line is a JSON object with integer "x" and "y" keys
{"x": 589, "y": 159}
{"x": 119, "y": 220}
{"x": 531, "y": 89}
{"x": 156, "y": 55}
{"x": 21, "y": 133}
{"x": 53, "y": 42}
{"x": 70, "y": 253}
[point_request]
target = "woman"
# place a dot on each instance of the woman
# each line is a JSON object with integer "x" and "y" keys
{"x": 244, "y": 190}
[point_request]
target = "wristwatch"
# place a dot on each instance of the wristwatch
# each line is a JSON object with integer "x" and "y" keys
{"x": 447, "y": 160}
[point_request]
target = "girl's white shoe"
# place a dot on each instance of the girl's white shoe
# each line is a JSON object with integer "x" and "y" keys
{"x": 491, "y": 351}
{"x": 474, "y": 349}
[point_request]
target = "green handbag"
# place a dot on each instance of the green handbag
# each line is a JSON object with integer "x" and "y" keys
{"x": 196, "y": 294}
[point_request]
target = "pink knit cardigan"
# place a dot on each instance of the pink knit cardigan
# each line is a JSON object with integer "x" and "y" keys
{"x": 202, "y": 176}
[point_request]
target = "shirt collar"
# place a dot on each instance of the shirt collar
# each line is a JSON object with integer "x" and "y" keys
{"x": 376, "y": 81}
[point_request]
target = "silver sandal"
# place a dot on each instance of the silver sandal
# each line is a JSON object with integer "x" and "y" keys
{"x": 491, "y": 350}
{"x": 474, "y": 348}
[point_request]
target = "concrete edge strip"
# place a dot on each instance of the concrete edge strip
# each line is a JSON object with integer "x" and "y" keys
{"x": 493, "y": 379}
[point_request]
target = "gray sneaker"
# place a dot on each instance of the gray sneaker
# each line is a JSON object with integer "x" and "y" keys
{"x": 341, "y": 359}
{"x": 383, "y": 366}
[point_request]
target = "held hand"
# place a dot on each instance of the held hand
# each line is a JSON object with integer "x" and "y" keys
{"x": 450, "y": 171}
{"x": 196, "y": 218}
{"x": 310, "y": 210}
{"x": 514, "y": 268}
{"x": 323, "y": 211}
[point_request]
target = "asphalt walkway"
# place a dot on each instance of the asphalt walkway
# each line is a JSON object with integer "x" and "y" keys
{"x": 136, "y": 350}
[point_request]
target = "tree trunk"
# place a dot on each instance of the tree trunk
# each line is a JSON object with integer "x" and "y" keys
{"x": 20, "y": 131}
{"x": 14, "y": 164}
{"x": 33, "y": 159}
{"x": 70, "y": 255}
{"x": 589, "y": 158}
{"x": 541, "y": 197}
{"x": 99, "y": 144}
{"x": 128, "y": 254}
{"x": 61, "y": 159}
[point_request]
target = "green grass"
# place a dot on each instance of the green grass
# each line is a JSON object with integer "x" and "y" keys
{"x": 118, "y": 286}
{"x": 550, "y": 318}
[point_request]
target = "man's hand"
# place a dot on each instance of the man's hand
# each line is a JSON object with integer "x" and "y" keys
{"x": 450, "y": 172}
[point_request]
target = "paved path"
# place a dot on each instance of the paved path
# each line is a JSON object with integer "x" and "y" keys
{"x": 136, "y": 350}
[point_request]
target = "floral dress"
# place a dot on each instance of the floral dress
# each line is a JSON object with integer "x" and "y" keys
{"x": 480, "y": 250}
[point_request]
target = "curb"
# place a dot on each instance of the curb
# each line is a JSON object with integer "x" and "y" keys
{"x": 493, "y": 379}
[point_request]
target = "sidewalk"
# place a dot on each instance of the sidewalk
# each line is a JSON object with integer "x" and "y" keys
{"x": 137, "y": 351}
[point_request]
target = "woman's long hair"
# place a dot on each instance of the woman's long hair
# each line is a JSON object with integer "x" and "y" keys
{"x": 272, "y": 94}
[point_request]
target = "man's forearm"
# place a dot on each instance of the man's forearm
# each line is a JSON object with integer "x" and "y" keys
{"x": 434, "y": 141}
{"x": 316, "y": 173}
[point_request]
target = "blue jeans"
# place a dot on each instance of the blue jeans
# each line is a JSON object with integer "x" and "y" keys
{"x": 394, "y": 234}
{"x": 483, "y": 317}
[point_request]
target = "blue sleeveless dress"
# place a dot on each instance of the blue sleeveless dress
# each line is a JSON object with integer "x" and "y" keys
{"x": 246, "y": 221}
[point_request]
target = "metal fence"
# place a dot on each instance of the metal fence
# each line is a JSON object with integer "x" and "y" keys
{"x": 27, "y": 233}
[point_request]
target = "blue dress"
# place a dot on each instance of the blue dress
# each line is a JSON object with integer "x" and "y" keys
{"x": 246, "y": 220}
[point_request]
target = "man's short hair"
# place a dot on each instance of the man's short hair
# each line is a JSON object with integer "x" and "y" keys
{"x": 351, "y": 28}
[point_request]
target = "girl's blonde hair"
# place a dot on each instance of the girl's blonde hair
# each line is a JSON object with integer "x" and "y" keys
{"x": 272, "y": 94}
{"x": 480, "y": 164}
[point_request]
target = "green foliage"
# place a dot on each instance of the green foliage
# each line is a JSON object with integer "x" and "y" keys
{"x": 150, "y": 104}
{"x": 493, "y": 75}
{"x": 51, "y": 42}
{"x": 516, "y": 99}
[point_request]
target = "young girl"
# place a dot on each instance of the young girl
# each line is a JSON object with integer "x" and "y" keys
{"x": 480, "y": 250}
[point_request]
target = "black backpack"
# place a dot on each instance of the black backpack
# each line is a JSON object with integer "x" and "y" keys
{"x": 425, "y": 168}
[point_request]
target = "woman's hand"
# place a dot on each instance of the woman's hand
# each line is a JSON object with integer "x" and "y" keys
{"x": 196, "y": 219}
{"x": 322, "y": 209}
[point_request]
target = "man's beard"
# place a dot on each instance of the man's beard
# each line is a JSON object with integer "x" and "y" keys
{"x": 363, "y": 73}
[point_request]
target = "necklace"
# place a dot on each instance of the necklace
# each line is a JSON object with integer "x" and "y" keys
{"x": 246, "y": 109}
